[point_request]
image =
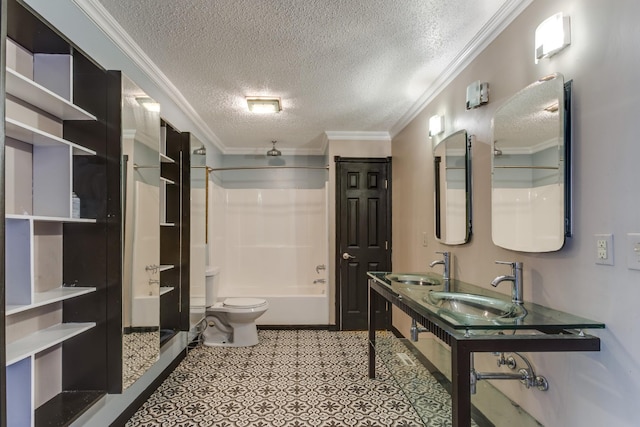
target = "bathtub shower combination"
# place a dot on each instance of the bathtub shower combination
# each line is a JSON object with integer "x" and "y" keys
{"x": 273, "y": 244}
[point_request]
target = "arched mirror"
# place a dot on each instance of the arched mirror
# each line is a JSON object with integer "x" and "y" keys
{"x": 530, "y": 203}
{"x": 452, "y": 166}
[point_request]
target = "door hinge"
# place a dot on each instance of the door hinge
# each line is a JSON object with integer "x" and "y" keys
{"x": 386, "y": 184}
{"x": 386, "y": 245}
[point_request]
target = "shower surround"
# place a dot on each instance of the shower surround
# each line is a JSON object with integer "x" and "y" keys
{"x": 269, "y": 243}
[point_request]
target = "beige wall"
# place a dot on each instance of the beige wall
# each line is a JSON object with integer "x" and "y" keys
{"x": 586, "y": 389}
{"x": 345, "y": 148}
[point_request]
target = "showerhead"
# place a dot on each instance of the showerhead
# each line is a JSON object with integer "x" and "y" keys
{"x": 200, "y": 151}
{"x": 274, "y": 152}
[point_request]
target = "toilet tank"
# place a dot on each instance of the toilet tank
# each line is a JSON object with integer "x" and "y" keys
{"x": 212, "y": 285}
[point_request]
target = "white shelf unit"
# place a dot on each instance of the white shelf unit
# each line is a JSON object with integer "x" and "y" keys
{"x": 43, "y": 340}
{"x": 42, "y": 98}
{"x": 166, "y": 159}
{"x": 166, "y": 267}
{"x": 38, "y": 190}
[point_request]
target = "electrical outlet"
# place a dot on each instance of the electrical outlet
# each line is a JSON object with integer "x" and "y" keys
{"x": 425, "y": 242}
{"x": 604, "y": 249}
{"x": 633, "y": 251}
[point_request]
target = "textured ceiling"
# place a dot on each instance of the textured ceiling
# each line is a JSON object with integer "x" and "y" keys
{"x": 338, "y": 65}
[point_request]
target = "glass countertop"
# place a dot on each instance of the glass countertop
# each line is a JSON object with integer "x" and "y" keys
{"x": 468, "y": 307}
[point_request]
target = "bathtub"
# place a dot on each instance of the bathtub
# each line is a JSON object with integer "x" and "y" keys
{"x": 145, "y": 311}
{"x": 288, "y": 305}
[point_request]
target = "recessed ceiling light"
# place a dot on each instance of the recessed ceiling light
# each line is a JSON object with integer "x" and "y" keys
{"x": 261, "y": 104}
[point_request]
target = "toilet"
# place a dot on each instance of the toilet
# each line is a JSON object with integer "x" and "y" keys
{"x": 231, "y": 322}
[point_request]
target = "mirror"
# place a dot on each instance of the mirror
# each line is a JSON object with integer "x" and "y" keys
{"x": 452, "y": 166}
{"x": 141, "y": 232}
{"x": 530, "y": 168}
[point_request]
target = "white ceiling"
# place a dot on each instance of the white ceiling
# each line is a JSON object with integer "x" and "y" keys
{"x": 361, "y": 66}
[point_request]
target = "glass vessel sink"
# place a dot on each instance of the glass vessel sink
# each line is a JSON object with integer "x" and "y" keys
{"x": 464, "y": 307}
{"x": 413, "y": 279}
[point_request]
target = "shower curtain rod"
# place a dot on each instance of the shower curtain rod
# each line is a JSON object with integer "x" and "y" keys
{"x": 210, "y": 169}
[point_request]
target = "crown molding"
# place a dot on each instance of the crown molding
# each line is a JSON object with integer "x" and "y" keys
{"x": 498, "y": 22}
{"x": 357, "y": 136}
{"x": 285, "y": 151}
{"x": 94, "y": 10}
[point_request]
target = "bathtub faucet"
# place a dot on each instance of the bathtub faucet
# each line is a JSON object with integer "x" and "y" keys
{"x": 320, "y": 267}
{"x": 319, "y": 281}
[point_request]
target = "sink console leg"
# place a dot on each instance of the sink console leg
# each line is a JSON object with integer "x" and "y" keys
{"x": 461, "y": 382}
{"x": 373, "y": 299}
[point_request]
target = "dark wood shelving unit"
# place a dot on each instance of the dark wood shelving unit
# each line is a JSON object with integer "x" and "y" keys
{"x": 83, "y": 361}
{"x": 175, "y": 172}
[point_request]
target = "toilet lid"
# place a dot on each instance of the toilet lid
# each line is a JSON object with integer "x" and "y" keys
{"x": 244, "y": 302}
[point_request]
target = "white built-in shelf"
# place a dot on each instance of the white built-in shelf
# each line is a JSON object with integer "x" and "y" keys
{"x": 166, "y": 289}
{"x": 165, "y": 267}
{"x": 167, "y": 224}
{"x": 49, "y": 297}
{"x": 49, "y": 218}
{"x": 34, "y": 136}
{"x": 44, "y": 339}
{"x": 166, "y": 159}
{"x": 42, "y": 98}
{"x": 168, "y": 181}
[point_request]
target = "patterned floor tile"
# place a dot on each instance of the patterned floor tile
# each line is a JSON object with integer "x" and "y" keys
{"x": 294, "y": 378}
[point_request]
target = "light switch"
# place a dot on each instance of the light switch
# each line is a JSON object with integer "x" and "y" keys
{"x": 633, "y": 251}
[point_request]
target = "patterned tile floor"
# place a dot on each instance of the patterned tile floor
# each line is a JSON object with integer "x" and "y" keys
{"x": 293, "y": 378}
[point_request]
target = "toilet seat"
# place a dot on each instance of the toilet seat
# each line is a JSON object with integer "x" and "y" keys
{"x": 243, "y": 302}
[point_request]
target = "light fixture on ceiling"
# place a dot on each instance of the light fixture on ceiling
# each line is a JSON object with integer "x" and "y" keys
{"x": 274, "y": 152}
{"x": 148, "y": 103}
{"x": 477, "y": 94}
{"x": 552, "y": 35}
{"x": 436, "y": 125}
{"x": 263, "y": 105}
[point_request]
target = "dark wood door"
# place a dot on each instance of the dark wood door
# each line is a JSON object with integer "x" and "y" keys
{"x": 363, "y": 238}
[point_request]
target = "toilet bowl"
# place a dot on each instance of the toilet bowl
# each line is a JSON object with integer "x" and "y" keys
{"x": 231, "y": 322}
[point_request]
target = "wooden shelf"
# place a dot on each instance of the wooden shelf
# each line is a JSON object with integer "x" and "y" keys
{"x": 44, "y": 339}
{"x": 64, "y": 408}
{"x": 166, "y": 159}
{"x": 42, "y": 98}
{"x": 166, "y": 289}
{"x": 48, "y": 218}
{"x": 49, "y": 297}
{"x": 36, "y": 137}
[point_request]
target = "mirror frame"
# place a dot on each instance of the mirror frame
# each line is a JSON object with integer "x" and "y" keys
{"x": 564, "y": 164}
{"x": 441, "y": 211}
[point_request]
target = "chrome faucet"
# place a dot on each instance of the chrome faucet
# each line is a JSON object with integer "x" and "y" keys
{"x": 515, "y": 278}
{"x": 446, "y": 262}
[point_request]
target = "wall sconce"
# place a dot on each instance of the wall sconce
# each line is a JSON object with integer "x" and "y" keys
{"x": 436, "y": 125}
{"x": 477, "y": 94}
{"x": 263, "y": 105}
{"x": 552, "y": 35}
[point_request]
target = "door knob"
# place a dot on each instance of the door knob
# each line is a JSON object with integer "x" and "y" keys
{"x": 347, "y": 255}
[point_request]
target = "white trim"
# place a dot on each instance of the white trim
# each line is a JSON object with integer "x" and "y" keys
{"x": 94, "y": 10}
{"x": 496, "y": 25}
{"x": 358, "y": 136}
{"x": 262, "y": 151}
